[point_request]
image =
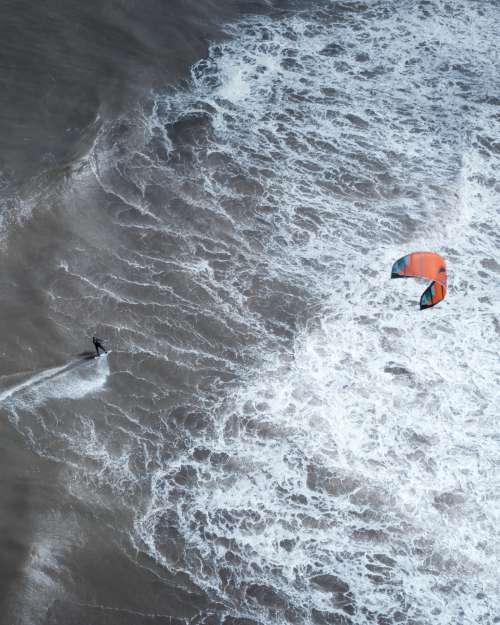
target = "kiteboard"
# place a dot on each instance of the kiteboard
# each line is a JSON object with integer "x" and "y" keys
{"x": 92, "y": 355}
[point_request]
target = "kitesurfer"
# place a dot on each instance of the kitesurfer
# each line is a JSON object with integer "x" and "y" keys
{"x": 98, "y": 345}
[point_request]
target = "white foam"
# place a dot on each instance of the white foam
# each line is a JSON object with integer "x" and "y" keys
{"x": 371, "y": 445}
{"x": 366, "y": 448}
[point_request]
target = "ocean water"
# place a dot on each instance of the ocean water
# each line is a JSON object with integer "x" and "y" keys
{"x": 278, "y": 434}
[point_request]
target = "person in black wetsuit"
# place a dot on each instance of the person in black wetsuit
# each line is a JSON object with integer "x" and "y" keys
{"x": 98, "y": 345}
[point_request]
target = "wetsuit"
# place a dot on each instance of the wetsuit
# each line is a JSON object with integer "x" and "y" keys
{"x": 98, "y": 345}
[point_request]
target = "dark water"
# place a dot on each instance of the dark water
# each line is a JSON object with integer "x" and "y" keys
{"x": 218, "y": 190}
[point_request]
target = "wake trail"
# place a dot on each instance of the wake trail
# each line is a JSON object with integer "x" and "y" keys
{"x": 38, "y": 379}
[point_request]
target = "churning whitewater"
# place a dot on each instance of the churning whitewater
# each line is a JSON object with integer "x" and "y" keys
{"x": 280, "y": 435}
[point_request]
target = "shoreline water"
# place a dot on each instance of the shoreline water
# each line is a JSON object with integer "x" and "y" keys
{"x": 250, "y": 452}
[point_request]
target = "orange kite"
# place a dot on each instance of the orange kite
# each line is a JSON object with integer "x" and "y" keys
{"x": 424, "y": 265}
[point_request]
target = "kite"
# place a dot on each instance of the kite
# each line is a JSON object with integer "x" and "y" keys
{"x": 424, "y": 265}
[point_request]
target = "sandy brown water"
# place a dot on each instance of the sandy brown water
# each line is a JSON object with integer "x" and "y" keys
{"x": 276, "y": 436}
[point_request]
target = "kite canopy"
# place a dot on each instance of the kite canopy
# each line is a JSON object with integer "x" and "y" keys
{"x": 424, "y": 265}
